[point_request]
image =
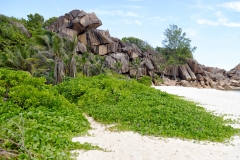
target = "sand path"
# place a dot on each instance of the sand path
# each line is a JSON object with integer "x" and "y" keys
{"x": 132, "y": 146}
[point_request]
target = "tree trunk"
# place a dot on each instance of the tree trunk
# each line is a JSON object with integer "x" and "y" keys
{"x": 58, "y": 70}
{"x": 72, "y": 68}
{"x": 174, "y": 72}
{"x": 162, "y": 75}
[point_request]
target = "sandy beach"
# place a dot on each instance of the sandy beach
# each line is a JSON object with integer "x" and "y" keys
{"x": 133, "y": 146}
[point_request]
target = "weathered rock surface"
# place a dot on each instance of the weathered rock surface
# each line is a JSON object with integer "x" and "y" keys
{"x": 237, "y": 67}
{"x": 231, "y": 72}
{"x": 100, "y": 49}
{"x": 169, "y": 82}
{"x": 227, "y": 87}
{"x": 214, "y": 85}
{"x": 149, "y": 64}
{"x": 83, "y": 39}
{"x": 81, "y": 48}
{"x": 60, "y": 22}
{"x": 193, "y": 77}
{"x": 112, "y": 47}
{"x": 22, "y": 28}
{"x": 131, "y": 49}
{"x": 184, "y": 73}
{"x": 123, "y": 59}
{"x": 68, "y": 32}
{"x": 235, "y": 83}
{"x": 121, "y": 54}
{"x": 199, "y": 77}
{"x": 195, "y": 67}
{"x": 169, "y": 71}
{"x": 98, "y": 37}
{"x": 207, "y": 77}
{"x": 110, "y": 62}
{"x": 75, "y": 13}
{"x": 68, "y": 16}
{"x": 90, "y": 21}
{"x": 185, "y": 83}
{"x": 133, "y": 72}
{"x": 76, "y": 20}
{"x": 236, "y": 75}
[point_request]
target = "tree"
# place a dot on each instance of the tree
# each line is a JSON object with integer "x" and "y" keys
{"x": 177, "y": 48}
{"x": 21, "y": 58}
{"x": 58, "y": 60}
{"x": 118, "y": 67}
{"x": 98, "y": 64}
{"x": 159, "y": 61}
{"x": 137, "y": 64}
{"x": 143, "y": 45}
{"x": 52, "y": 45}
{"x": 34, "y": 21}
{"x": 10, "y": 35}
{"x": 71, "y": 48}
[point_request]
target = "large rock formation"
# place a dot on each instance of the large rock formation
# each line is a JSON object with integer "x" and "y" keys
{"x": 196, "y": 75}
{"x": 118, "y": 55}
{"x": 234, "y": 73}
{"x": 77, "y": 20}
{"x": 84, "y": 26}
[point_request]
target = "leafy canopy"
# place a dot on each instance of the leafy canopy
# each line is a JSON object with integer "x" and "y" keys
{"x": 34, "y": 21}
{"x": 177, "y": 47}
{"x": 143, "y": 45}
{"x": 10, "y": 35}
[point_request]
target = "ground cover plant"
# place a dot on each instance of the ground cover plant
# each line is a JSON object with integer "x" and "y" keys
{"x": 36, "y": 122}
{"x": 136, "y": 107}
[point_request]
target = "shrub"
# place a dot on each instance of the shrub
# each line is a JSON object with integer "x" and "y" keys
{"x": 36, "y": 121}
{"x": 158, "y": 80}
{"x": 142, "y": 109}
{"x": 10, "y": 34}
{"x": 146, "y": 80}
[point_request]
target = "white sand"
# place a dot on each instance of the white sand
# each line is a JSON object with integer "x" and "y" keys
{"x": 132, "y": 146}
{"x": 221, "y": 102}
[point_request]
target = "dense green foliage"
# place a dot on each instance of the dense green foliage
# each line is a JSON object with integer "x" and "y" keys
{"x": 143, "y": 45}
{"x": 36, "y": 121}
{"x": 133, "y": 106}
{"x": 20, "y": 58}
{"x": 10, "y": 35}
{"x": 34, "y": 21}
{"x": 177, "y": 47}
{"x": 146, "y": 80}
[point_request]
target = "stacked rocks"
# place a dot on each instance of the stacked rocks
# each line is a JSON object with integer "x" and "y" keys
{"x": 194, "y": 74}
{"x": 84, "y": 26}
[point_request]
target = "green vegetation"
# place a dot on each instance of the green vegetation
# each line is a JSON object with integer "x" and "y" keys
{"x": 136, "y": 107}
{"x": 36, "y": 121}
{"x": 143, "y": 45}
{"x": 10, "y": 35}
{"x": 34, "y": 21}
{"x": 146, "y": 80}
{"x": 177, "y": 48}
